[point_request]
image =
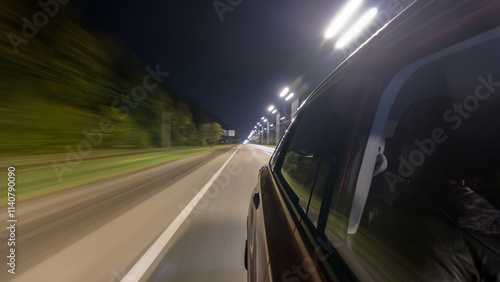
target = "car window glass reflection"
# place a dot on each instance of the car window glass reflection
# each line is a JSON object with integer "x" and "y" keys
{"x": 304, "y": 152}
{"x": 434, "y": 213}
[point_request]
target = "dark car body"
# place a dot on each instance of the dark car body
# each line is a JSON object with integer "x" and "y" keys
{"x": 390, "y": 170}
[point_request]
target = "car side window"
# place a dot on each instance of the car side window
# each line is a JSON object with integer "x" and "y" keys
{"x": 277, "y": 152}
{"x": 433, "y": 210}
{"x": 302, "y": 155}
{"x": 317, "y": 145}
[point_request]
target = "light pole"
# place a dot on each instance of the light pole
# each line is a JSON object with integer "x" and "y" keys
{"x": 294, "y": 105}
{"x": 253, "y": 133}
{"x": 267, "y": 135}
{"x": 275, "y": 111}
{"x": 262, "y": 130}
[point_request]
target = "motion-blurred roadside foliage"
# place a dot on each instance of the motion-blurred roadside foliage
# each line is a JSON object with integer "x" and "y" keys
{"x": 65, "y": 79}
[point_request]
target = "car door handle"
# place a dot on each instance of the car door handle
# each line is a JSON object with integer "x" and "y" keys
{"x": 256, "y": 200}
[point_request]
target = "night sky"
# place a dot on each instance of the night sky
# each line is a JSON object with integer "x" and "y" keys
{"x": 235, "y": 67}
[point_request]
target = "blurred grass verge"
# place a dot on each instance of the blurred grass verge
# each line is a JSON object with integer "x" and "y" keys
{"x": 38, "y": 177}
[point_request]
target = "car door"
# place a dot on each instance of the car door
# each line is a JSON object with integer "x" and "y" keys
{"x": 294, "y": 188}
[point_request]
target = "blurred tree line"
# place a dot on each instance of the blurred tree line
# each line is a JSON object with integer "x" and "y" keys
{"x": 64, "y": 80}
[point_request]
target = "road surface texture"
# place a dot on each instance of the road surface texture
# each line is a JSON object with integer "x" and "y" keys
{"x": 181, "y": 221}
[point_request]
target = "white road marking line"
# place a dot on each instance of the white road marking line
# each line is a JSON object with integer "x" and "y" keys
{"x": 138, "y": 270}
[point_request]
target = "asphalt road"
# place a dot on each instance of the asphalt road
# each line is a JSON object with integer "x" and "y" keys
{"x": 181, "y": 221}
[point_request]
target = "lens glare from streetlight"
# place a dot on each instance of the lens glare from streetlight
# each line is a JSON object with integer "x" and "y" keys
{"x": 284, "y": 92}
{"x": 289, "y": 97}
{"x": 270, "y": 108}
{"x": 357, "y": 28}
{"x": 262, "y": 118}
{"x": 342, "y": 18}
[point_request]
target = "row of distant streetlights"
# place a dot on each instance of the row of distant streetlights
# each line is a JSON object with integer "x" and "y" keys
{"x": 285, "y": 93}
{"x": 346, "y": 13}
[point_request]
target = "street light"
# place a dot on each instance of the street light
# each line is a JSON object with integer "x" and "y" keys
{"x": 275, "y": 111}
{"x": 342, "y": 18}
{"x": 261, "y": 133}
{"x": 356, "y": 28}
{"x": 284, "y": 92}
{"x": 267, "y": 135}
{"x": 295, "y": 104}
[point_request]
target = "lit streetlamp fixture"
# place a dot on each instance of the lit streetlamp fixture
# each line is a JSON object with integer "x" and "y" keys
{"x": 270, "y": 108}
{"x": 345, "y": 14}
{"x": 284, "y": 92}
{"x": 289, "y": 97}
{"x": 356, "y": 28}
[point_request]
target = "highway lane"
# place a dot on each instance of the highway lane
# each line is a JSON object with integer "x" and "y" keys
{"x": 98, "y": 232}
{"x": 50, "y": 224}
{"x": 210, "y": 244}
{"x": 266, "y": 149}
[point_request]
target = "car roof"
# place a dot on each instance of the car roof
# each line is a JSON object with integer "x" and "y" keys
{"x": 423, "y": 28}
